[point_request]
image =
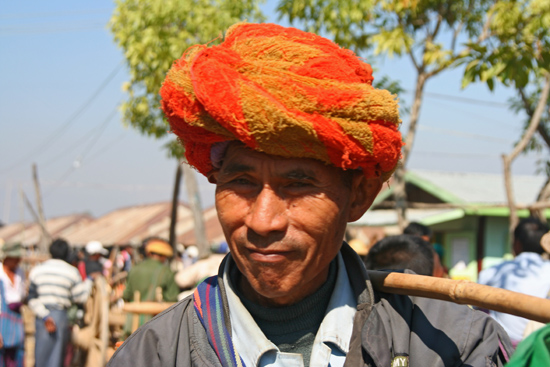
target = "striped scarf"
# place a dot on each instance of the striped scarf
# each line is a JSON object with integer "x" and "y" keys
{"x": 208, "y": 306}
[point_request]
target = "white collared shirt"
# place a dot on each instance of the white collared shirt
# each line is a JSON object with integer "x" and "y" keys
{"x": 15, "y": 292}
{"x": 331, "y": 342}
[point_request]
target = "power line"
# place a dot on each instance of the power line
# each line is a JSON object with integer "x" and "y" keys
{"x": 463, "y": 99}
{"x": 86, "y": 150}
{"x": 464, "y": 135}
{"x": 63, "y": 128}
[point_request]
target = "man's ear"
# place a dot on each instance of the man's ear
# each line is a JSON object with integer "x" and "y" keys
{"x": 212, "y": 176}
{"x": 363, "y": 193}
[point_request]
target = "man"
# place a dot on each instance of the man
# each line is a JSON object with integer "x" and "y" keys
{"x": 13, "y": 293}
{"x": 402, "y": 252}
{"x": 527, "y": 273}
{"x": 298, "y": 143}
{"x": 95, "y": 252}
{"x": 425, "y": 233}
{"x": 54, "y": 286}
{"x": 150, "y": 274}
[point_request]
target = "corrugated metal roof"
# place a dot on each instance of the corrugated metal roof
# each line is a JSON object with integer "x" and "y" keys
{"x": 388, "y": 217}
{"x": 131, "y": 225}
{"x": 29, "y": 233}
{"x": 214, "y": 232}
{"x": 484, "y": 188}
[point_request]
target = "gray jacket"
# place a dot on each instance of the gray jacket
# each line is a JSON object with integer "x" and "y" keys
{"x": 389, "y": 330}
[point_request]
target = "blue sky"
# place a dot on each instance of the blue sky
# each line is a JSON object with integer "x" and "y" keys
{"x": 60, "y": 85}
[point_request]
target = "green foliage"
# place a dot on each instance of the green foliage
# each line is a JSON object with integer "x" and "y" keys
{"x": 153, "y": 34}
{"x": 516, "y": 53}
{"x": 517, "y": 50}
{"x": 394, "y": 27}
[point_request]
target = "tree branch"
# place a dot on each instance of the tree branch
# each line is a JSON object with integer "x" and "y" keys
{"x": 507, "y": 160}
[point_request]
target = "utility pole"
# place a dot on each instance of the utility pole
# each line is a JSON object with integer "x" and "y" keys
{"x": 45, "y": 234}
{"x": 196, "y": 208}
{"x": 43, "y": 243}
{"x": 174, "y": 214}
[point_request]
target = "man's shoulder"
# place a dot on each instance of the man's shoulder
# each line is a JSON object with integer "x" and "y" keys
{"x": 450, "y": 330}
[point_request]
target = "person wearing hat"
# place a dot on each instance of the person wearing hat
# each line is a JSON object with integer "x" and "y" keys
{"x": 13, "y": 293}
{"x": 150, "y": 274}
{"x": 94, "y": 254}
{"x": 298, "y": 142}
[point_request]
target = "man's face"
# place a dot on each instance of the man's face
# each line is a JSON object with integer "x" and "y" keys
{"x": 284, "y": 220}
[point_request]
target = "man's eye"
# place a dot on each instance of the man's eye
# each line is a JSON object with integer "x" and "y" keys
{"x": 241, "y": 181}
{"x": 299, "y": 184}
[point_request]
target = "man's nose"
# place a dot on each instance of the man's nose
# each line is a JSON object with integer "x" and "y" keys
{"x": 267, "y": 213}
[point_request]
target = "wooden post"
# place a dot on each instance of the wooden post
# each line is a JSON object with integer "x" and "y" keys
{"x": 135, "y": 316}
{"x": 45, "y": 233}
{"x": 44, "y": 239}
{"x": 196, "y": 207}
{"x": 174, "y": 213}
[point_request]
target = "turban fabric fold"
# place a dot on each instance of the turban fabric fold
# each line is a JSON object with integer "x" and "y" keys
{"x": 283, "y": 92}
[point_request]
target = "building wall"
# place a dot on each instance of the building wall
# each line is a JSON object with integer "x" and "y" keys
{"x": 496, "y": 240}
{"x": 458, "y": 238}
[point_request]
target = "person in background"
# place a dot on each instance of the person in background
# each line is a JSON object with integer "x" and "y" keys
{"x": 425, "y": 232}
{"x": 95, "y": 252}
{"x": 150, "y": 274}
{"x": 527, "y": 273}
{"x": 54, "y": 286}
{"x": 401, "y": 252}
{"x": 13, "y": 293}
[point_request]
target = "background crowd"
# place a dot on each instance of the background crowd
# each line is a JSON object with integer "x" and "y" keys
{"x": 61, "y": 294}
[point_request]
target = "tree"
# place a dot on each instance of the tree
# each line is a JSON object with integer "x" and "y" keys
{"x": 517, "y": 54}
{"x": 152, "y": 35}
{"x": 426, "y": 31}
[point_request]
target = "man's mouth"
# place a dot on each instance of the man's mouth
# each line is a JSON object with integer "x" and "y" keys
{"x": 268, "y": 256}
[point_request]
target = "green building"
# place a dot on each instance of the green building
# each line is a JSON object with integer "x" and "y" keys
{"x": 467, "y": 212}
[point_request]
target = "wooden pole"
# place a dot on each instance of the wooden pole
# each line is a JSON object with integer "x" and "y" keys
{"x": 463, "y": 292}
{"x": 196, "y": 208}
{"x": 457, "y": 291}
{"x": 44, "y": 239}
{"x": 45, "y": 233}
{"x": 174, "y": 213}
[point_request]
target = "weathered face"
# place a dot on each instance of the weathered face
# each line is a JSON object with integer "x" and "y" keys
{"x": 284, "y": 220}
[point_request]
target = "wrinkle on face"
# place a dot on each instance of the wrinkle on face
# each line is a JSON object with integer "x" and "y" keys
{"x": 284, "y": 220}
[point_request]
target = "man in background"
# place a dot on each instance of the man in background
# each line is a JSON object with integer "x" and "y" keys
{"x": 425, "y": 233}
{"x": 527, "y": 273}
{"x": 150, "y": 274}
{"x": 54, "y": 286}
{"x": 401, "y": 252}
{"x": 94, "y": 254}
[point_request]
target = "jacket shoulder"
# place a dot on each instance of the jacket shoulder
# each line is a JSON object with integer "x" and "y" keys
{"x": 174, "y": 337}
{"x": 438, "y": 330}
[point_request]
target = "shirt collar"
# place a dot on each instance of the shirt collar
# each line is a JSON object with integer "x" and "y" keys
{"x": 336, "y": 328}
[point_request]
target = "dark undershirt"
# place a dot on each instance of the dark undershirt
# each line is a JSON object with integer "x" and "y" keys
{"x": 291, "y": 328}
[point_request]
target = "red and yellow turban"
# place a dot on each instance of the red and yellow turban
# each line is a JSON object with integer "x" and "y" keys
{"x": 284, "y": 92}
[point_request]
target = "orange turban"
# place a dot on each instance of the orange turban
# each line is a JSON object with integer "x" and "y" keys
{"x": 283, "y": 92}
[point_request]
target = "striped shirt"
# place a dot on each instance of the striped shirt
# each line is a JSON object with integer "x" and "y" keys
{"x": 56, "y": 284}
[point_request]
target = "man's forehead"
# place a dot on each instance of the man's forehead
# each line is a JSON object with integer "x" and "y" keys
{"x": 240, "y": 159}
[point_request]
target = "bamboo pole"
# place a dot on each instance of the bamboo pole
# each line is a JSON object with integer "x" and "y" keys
{"x": 146, "y": 308}
{"x": 457, "y": 291}
{"x": 463, "y": 292}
